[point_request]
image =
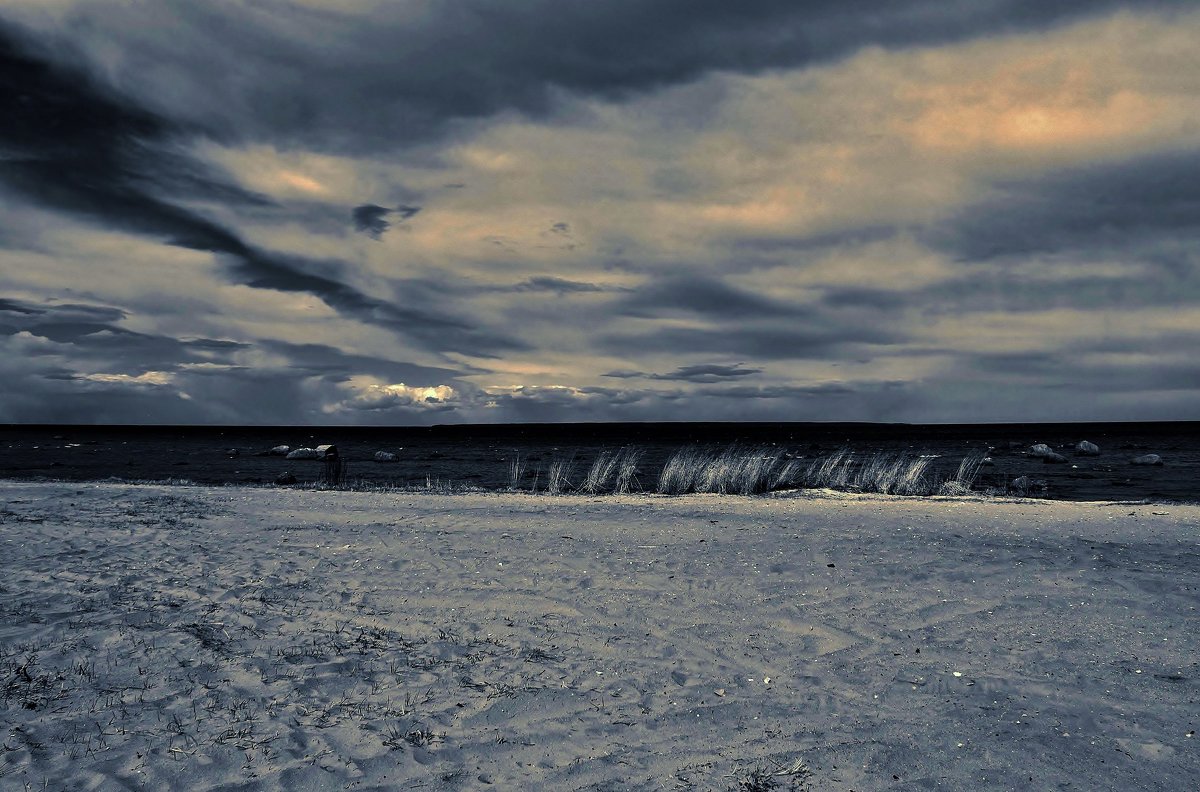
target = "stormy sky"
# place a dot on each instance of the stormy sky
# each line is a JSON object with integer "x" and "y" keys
{"x": 416, "y": 212}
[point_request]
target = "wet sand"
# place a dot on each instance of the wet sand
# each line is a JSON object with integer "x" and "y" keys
{"x": 230, "y": 638}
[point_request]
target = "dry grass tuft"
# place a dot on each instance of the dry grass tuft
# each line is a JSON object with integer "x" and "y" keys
{"x": 627, "y": 469}
{"x": 832, "y": 472}
{"x": 736, "y": 470}
{"x": 964, "y": 479}
{"x": 516, "y": 471}
{"x": 602, "y": 470}
{"x": 558, "y": 477}
{"x": 613, "y": 471}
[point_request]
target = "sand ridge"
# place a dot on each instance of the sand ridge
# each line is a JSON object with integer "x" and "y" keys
{"x": 229, "y": 638}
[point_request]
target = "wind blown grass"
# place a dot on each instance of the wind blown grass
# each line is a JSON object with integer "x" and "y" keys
{"x": 964, "y": 479}
{"x": 894, "y": 475}
{"x": 601, "y": 472}
{"x": 558, "y": 477}
{"x": 736, "y": 470}
{"x": 516, "y": 471}
{"x": 627, "y": 470}
{"x": 831, "y": 472}
{"x": 613, "y": 471}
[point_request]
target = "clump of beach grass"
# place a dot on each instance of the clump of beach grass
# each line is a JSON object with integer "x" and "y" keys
{"x": 601, "y": 471}
{"x": 627, "y": 469}
{"x": 894, "y": 474}
{"x": 558, "y": 476}
{"x": 830, "y": 472}
{"x": 736, "y": 470}
{"x": 788, "y": 475}
{"x": 516, "y": 471}
{"x": 613, "y": 470}
{"x": 678, "y": 475}
{"x": 964, "y": 480}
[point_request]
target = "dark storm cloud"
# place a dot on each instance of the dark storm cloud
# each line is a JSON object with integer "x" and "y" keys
{"x": 853, "y": 237}
{"x": 60, "y": 312}
{"x": 396, "y": 75}
{"x": 432, "y": 329}
{"x": 995, "y": 291}
{"x": 1125, "y": 206}
{"x": 766, "y": 342}
{"x": 91, "y": 330}
{"x": 1068, "y": 370}
{"x": 703, "y": 296}
{"x": 743, "y": 324}
{"x": 16, "y": 306}
{"x": 800, "y": 391}
{"x": 549, "y": 283}
{"x": 337, "y": 365}
{"x": 706, "y": 372}
{"x": 73, "y": 146}
{"x": 864, "y": 297}
{"x": 370, "y": 219}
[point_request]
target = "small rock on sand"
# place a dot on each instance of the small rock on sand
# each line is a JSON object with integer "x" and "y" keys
{"x": 285, "y": 478}
{"x": 1084, "y": 448}
{"x": 1040, "y": 450}
{"x": 281, "y": 450}
{"x": 385, "y": 456}
{"x": 1053, "y": 459}
{"x": 303, "y": 453}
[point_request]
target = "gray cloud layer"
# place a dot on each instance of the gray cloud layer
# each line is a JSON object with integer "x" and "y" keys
{"x": 331, "y": 78}
{"x": 613, "y": 210}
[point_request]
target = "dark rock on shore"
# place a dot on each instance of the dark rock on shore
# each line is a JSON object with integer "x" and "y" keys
{"x": 1084, "y": 448}
{"x": 1147, "y": 459}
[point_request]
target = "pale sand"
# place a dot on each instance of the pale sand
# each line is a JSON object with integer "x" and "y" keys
{"x": 157, "y": 637}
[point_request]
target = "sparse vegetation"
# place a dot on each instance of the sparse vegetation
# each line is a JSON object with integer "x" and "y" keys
{"x": 897, "y": 474}
{"x": 516, "y": 471}
{"x": 831, "y": 472}
{"x": 964, "y": 479}
{"x": 601, "y": 472}
{"x": 627, "y": 470}
{"x": 793, "y": 778}
{"x": 734, "y": 470}
{"x": 558, "y": 477}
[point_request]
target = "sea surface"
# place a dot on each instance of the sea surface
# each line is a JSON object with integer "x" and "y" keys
{"x": 458, "y": 456}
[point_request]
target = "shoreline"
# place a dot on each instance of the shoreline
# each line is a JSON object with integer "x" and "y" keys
{"x": 450, "y": 489}
{"x": 277, "y": 638}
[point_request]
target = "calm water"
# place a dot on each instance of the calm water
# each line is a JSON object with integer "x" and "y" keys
{"x": 479, "y": 456}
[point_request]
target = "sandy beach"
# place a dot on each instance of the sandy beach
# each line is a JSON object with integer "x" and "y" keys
{"x": 233, "y": 638}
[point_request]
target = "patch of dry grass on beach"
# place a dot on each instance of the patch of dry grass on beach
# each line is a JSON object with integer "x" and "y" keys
{"x": 751, "y": 471}
{"x": 734, "y": 470}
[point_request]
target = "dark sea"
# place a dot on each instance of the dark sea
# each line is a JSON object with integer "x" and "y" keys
{"x": 458, "y": 456}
